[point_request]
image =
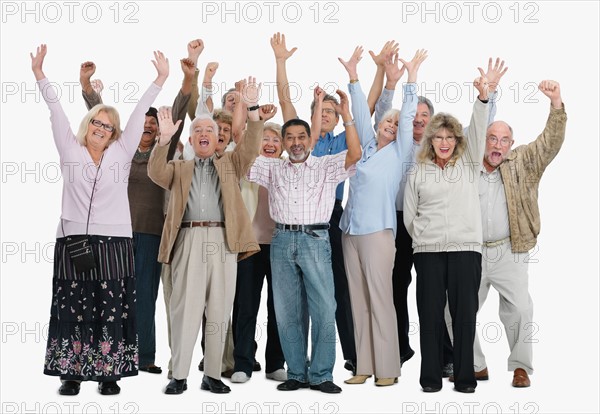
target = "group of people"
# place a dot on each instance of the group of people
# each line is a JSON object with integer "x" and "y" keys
{"x": 217, "y": 216}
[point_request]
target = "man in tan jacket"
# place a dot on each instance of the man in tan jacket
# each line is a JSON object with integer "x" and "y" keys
{"x": 207, "y": 229}
{"x": 508, "y": 191}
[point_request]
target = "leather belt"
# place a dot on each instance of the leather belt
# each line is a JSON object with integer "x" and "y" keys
{"x": 496, "y": 242}
{"x": 188, "y": 224}
{"x": 302, "y": 227}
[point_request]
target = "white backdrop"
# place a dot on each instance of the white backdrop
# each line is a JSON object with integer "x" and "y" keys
{"x": 539, "y": 40}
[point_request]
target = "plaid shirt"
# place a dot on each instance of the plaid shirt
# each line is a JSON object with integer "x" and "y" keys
{"x": 301, "y": 193}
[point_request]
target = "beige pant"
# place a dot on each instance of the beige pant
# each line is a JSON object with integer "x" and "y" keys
{"x": 369, "y": 260}
{"x": 203, "y": 276}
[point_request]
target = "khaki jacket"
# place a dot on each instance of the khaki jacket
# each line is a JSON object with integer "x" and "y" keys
{"x": 177, "y": 176}
{"x": 521, "y": 173}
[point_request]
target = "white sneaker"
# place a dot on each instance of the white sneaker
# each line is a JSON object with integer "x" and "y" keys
{"x": 239, "y": 377}
{"x": 279, "y": 375}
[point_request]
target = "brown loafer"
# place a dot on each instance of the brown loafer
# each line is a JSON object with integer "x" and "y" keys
{"x": 482, "y": 375}
{"x": 521, "y": 379}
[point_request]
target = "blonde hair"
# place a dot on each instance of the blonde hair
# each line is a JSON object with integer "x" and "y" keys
{"x": 276, "y": 129}
{"x": 450, "y": 124}
{"x": 112, "y": 114}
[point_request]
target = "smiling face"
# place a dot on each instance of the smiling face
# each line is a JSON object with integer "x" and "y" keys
{"x": 387, "y": 130}
{"x": 150, "y": 131}
{"x": 421, "y": 120}
{"x": 204, "y": 138}
{"x": 97, "y": 137}
{"x": 329, "y": 118}
{"x": 224, "y": 137}
{"x": 296, "y": 143}
{"x": 443, "y": 143}
{"x": 271, "y": 144}
{"x": 498, "y": 144}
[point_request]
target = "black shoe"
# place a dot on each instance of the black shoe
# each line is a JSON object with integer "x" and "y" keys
{"x": 447, "y": 370}
{"x": 214, "y": 385}
{"x": 292, "y": 385}
{"x": 152, "y": 369}
{"x": 328, "y": 387}
{"x": 201, "y": 365}
{"x": 227, "y": 374}
{"x": 468, "y": 390}
{"x": 406, "y": 357}
{"x": 176, "y": 386}
{"x": 256, "y": 366}
{"x": 69, "y": 388}
{"x": 431, "y": 389}
{"x": 109, "y": 388}
{"x": 350, "y": 365}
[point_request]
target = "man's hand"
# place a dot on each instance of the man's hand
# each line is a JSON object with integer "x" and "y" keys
{"x": 482, "y": 86}
{"x": 166, "y": 126}
{"x": 352, "y": 63}
{"x": 188, "y": 67}
{"x": 389, "y": 47}
{"x": 267, "y": 111}
{"x": 343, "y": 108}
{"x": 86, "y": 71}
{"x": 413, "y": 66}
{"x": 393, "y": 72}
{"x": 251, "y": 92}
{"x": 210, "y": 71}
{"x": 551, "y": 89}
{"x": 279, "y": 47}
{"x": 494, "y": 73}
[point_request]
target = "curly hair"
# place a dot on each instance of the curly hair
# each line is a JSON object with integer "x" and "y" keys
{"x": 449, "y": 123}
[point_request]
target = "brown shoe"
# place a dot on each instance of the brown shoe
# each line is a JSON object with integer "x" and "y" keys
{"x": 479, "y": 375}
{"x": 357, "y": 379}
{"x": 520, "y": 379}
{"x": 385, "y": 382}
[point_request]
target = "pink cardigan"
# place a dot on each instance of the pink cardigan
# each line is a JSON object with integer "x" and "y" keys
{"x": 109, "y": 214}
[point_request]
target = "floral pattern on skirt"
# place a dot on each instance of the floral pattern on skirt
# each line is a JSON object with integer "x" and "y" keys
{"x": 92, "y": 333}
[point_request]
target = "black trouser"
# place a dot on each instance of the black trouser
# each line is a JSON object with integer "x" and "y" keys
{"x": 251, "y": 273}
{"x": 401, "y": 278}
{"x": 457, "y": 275}
{"x": 343, "y": 312}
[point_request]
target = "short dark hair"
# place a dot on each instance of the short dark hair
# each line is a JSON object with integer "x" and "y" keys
{"x": 293, "y": 122}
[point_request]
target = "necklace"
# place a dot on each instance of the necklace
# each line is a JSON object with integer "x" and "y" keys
{"x": 143, "y": 155}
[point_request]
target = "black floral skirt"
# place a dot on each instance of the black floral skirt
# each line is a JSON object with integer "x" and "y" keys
{"x": 92, "y": 334}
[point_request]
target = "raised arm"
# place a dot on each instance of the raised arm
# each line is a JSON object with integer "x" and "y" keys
{"x": 360, "y": 107}
{"x": 207, "y": 86}
{"x": 246, "y": 152}
{"x": 315, "y": 124}
{"x": 194, "y": 49}
{"x": 181, "y": 102}
{"x": 478, "y": 126}
{"x": 283, "y": 86}
{"x": 159, "y": 170}
{"x": 376, "y": 87}
{"x": 90, "y": 96}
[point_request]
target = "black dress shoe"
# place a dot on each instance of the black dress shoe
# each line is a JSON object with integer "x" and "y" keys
{"x": 467, "y": 390}
{"x": 201, "y": 365}
{"x": 256, "y": 366}
{"x": 176, "y": 386}
{"x": 69, "y": 388}
{"x": 214, "y": 385}
{"x": 152, "y": 369}
{"x": 328, "y": 387}
{"x": 350, "y": 365}
{"x": 407, "y": 356}
{"x": 109, "y": 388}
{"x": 292, "y": 385}
{"x": 431, "y": 389}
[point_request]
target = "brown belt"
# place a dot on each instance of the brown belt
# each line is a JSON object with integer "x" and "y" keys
{"x": 187, "y": 224}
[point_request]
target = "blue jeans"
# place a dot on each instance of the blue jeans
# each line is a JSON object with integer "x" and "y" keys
{"x": 302, "y": 289}
{"x": 147, "y": 271}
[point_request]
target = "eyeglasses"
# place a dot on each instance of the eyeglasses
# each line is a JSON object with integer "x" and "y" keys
{"x": 328, "y": 111}
{"x": 449, "y": 140}
{"x": 494, "y": 140}
{"x": 98, "y": 123}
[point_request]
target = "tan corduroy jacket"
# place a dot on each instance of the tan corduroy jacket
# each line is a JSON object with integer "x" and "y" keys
{"x": 521, "y": 173}
{"x": 177, "y": 176}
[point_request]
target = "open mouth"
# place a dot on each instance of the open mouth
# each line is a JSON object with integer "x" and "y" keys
{"x": 269, "y": 151}
{"x": 444, "y": 150}
{"x": 99, "y": 134}
{"x": 147, "y": 131}
{"x": 203, "y": 142}
{"x": 390, "y": 131}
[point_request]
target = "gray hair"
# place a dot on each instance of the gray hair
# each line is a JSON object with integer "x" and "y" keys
{"x": 202, "y": 117}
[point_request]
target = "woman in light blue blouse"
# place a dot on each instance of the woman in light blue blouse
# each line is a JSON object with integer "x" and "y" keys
{"x": 369, "y": 221}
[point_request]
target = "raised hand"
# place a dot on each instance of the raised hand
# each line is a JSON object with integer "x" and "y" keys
{"x": 161, "y": 63}
{"x": 195, "y": 48}
{"x": 389, "y": 47}
{"x": 166, "y": 126}
{"x": 97, "y": 86}
{"x": 413, "y": 66}
{"x": 251, "y": 92}
{"x": 551, "y": 89}
{"x": 319, "y": 96}
{"x": 37, "y": 61}
{"x": 393, "y": 72}
{"x": 87, "y": 70}
{"x": 482, "y": 86}
{"x": 210, "y": 71}
{"x": 279, "y": 47}
{"x": 494, "y": 73}
{"x": 344, "y": 106}
{"x": 188, "y": 67}
{"x": 267, "y": 111}
{"x": 352, "y": 63}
